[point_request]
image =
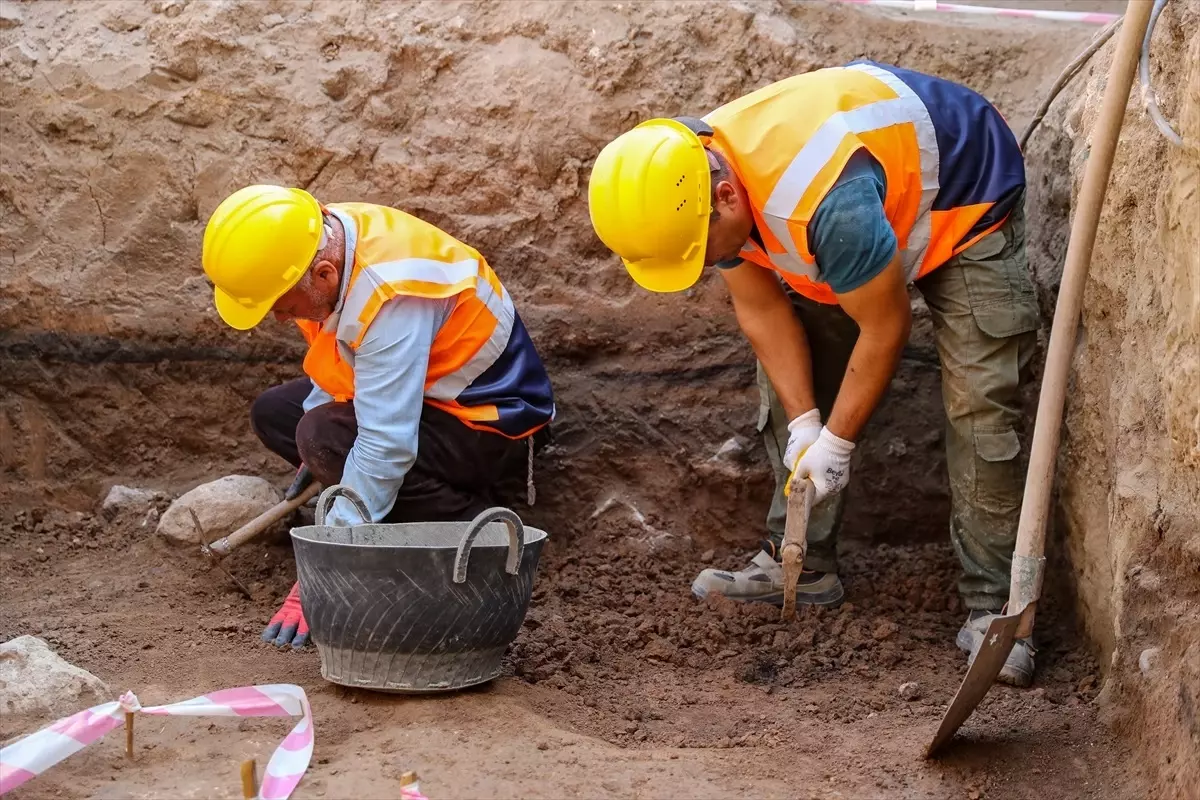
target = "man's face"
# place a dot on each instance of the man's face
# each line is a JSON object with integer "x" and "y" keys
{"x": 730, "y": 225}
{"x": 313, "y": 298}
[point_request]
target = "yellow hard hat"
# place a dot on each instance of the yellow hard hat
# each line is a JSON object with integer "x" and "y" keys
{"x": 258, "y": 244}
{"x": 649, "y": 199}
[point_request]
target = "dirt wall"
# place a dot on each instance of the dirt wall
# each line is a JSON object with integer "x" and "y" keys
{"x": 125, "y": 123}
{"x": 1130, "y": 467}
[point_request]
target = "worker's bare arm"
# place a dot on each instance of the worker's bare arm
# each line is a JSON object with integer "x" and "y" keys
{"x": 884, "y": 316}
{"x": 766, "y": 317}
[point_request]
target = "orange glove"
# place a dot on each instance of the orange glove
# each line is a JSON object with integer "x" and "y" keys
{"x": 288, "y": 626}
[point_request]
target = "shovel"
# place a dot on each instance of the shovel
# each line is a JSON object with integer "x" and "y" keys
{"x": 1028, "y": 562}
{"x": 795, "y": 540}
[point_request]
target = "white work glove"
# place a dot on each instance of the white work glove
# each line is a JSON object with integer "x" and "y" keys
{"x": 827, "y": 464}
{"x": 803, "y": 431}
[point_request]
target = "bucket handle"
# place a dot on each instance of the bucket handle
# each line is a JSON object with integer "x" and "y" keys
{"x": 516, "y": 541}
{"x": 325, "y": 502}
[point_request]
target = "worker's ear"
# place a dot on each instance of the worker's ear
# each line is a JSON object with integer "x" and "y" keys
{"x": 725, "y": 198}
{"x": 325, "y": 275}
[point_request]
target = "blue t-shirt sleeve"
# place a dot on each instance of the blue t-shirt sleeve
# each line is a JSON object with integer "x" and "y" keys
{"x": 849, "y": 234}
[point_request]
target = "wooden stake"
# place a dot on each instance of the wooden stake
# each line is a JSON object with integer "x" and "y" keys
{"x": 128, "y": 735}
{"x": 250, "y": 779}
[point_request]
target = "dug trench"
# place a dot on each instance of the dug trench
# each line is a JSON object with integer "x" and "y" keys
{"x": 620, "y": 683}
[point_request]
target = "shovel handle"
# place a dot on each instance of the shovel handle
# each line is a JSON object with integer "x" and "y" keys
{"x": 1029, "y": 556}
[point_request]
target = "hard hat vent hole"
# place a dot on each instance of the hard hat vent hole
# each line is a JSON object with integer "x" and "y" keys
{"x": 681, "y": 204}
{"x": 680, "y": 181}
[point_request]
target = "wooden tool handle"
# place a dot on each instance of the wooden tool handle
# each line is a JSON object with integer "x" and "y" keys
{"x": 1035, "y": 508}
{"x": 795, "y": 528}
{"x": 795, "y": 542}
{"x": 249, "y": 774}
{"x": 257, "y": 526}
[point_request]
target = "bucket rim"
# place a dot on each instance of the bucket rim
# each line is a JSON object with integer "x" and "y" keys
{"x": 532, "y": 536}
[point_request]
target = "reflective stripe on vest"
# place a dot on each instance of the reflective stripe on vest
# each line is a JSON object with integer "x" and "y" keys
{"x": 789, "y": 141}
{"x": 482, "y": 366}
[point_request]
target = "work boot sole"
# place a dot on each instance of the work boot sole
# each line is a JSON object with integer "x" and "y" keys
{"x": 830, "y": 598}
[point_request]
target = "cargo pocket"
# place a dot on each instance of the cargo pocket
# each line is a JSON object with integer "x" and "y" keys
{"x": 998, "y": 484}
{"x": 999, "y": 287}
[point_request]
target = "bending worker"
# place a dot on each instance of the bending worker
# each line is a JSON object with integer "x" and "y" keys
{"x": 819, "y": 198}
{"x": 424, "y": 390}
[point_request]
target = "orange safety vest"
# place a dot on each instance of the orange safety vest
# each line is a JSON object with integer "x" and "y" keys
{"x": 483, "y": 367}
{"x": 952, "y": 165}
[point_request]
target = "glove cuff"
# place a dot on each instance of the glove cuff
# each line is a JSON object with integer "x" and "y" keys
{"x": 834, "y": 443}
{"x": 809, "y": 419}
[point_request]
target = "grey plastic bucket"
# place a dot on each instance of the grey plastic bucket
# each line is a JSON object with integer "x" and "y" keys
{"x": 415, "y": 607}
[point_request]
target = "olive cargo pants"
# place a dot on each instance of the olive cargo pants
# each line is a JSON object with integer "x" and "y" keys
{"x": 985, "y": 319}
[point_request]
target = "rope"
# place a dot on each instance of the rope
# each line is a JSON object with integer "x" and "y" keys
{"x": 1067, "y": 74}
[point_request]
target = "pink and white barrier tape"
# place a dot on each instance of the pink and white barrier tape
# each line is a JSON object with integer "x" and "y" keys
{"x": 1088, "y": 17}
{"x": 36, "y": 753}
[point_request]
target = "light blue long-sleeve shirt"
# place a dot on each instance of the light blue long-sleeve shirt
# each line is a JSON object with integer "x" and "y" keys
{"x": 389, "y": 393}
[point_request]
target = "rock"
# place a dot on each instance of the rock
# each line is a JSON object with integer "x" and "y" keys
{"x": 707, "y": 556}
{"x": 910, "y": 690}
{"x": 34, "y": 680}
{"x": 223, "y": 506}
{"x": 733, "y": 449}
{"x": 11, "y": 16}
{"x": 659, "y": 649}
{"x": 119, "y": 23}
{"x": 126, "y": 499}
{"x": 1148, "y": 660}
{"x": 885, "y": 630}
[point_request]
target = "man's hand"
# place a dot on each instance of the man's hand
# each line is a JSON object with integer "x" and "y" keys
{"x": 288, "y": 626}
{"x": 299, "y": 483}
{"x": 827, "y": 464}
{"x": 803, "y": 431}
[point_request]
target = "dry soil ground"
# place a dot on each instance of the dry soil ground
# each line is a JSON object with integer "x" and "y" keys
{"x": 620, "y": 684}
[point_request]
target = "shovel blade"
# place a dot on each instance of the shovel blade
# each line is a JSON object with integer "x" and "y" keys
{"x": 997, "y": 644}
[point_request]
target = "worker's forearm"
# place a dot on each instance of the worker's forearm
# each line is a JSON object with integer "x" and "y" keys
{"x": 389, "y": 380}
{"x": 870, "y": 370}
{"x": 780, "y": 344}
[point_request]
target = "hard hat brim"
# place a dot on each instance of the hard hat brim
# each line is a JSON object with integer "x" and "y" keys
{"x": 666, "y": 275}
{"x": 238, "y": 316}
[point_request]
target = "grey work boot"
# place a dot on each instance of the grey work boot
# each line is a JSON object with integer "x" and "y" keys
{"x": 1018, "y": 667}
{"x": 762, "y": 581}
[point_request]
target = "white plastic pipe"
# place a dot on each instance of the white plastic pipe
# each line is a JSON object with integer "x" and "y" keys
{"x": 1088, "y": 17}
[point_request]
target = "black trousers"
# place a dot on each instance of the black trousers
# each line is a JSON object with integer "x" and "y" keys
{"x": 458, "y": 472}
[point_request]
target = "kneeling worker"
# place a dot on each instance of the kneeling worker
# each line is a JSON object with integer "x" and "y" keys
{"x": 424, "y": 390}
{"x": 819, "y": 198}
